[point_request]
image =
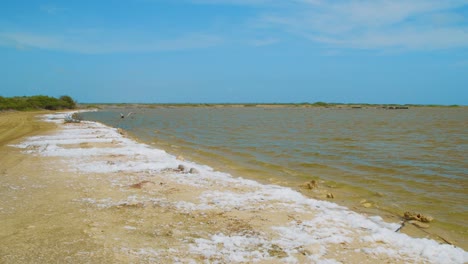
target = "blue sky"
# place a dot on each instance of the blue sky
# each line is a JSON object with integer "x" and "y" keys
{"x": 178, "y": 51}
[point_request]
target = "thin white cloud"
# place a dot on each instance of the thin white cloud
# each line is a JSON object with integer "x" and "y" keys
{"x": 365, "y": 24}
{"x": 264, "y": 42}
{"x": 51, "y": 9}
{"x": 254, "y": 2}
{"x": 376, "y": 24}
{"x": 95, "y": 42}
{"x": 356, "y": 24}
{"x": 461, "y": 64}
{"x": 408, "y": 39}
{"x": 443, "y": 38}
{"x": 233, "y": 2}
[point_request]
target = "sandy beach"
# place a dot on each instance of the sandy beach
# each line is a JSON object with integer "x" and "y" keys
{"x": 85, "y": 193}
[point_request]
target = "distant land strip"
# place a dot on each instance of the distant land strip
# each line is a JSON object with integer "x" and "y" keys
{"x": 42, "y": 102}
{"x": 264, "y": 105}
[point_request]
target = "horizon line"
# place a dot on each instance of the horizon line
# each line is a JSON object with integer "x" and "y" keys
{"x": 318, "y": 103}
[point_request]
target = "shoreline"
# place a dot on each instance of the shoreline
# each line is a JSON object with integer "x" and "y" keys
{"x": 358, "y": 199}
{"x": 209, "y": 215}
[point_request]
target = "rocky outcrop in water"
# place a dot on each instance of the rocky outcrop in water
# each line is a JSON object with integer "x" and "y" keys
{"x": 313, "y": 184}
{"x": 418, "y": 217}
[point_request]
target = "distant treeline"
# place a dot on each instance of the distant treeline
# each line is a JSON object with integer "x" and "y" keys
{"x": 37, "y": 102}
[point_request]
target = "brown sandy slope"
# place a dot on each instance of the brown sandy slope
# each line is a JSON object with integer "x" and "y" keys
{"x": 38, "y": 222}
{"x": 15, "y": 125}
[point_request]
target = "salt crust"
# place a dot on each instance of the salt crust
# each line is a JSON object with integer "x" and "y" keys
{"x": 332, "y": 224}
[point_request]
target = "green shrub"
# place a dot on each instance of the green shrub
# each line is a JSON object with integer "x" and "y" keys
{"x": 36, "y": 102}
{"x": 320, "y": 104}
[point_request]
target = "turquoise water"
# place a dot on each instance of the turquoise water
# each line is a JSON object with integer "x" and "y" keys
{"x": 400, "y": 160}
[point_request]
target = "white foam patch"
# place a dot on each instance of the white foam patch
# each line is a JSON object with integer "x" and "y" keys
{"x": 189, "y": 207}
{"x": 331, "y": 224}
{"x": 234, "y": 248}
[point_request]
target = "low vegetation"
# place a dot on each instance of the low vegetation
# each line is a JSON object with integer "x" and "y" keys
{"x": 38, "y": 102}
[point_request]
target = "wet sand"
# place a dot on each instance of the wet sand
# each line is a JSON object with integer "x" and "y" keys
{"x": 82, "y": 193}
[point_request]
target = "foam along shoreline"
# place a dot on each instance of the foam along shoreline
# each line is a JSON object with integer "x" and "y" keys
{"x": 210, "y": 216}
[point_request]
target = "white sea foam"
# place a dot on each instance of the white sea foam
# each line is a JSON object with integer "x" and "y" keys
{"x": 331, "y": 225}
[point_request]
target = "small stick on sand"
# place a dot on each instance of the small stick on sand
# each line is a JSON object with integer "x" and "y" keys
{"x": 402, "y": 225}
{"x": 429, "y": 233}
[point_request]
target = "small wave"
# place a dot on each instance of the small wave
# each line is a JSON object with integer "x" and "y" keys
{"x": 313, "y": 165}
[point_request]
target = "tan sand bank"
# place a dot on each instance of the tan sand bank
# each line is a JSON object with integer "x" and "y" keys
{"x": 16, "y": 125}
{"x": 85, "y": 194}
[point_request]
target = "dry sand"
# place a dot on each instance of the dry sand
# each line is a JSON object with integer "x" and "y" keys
{"x": 52, "y": 212}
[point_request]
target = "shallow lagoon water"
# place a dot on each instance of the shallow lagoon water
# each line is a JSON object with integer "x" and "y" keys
{"x": 399, "y": 160}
